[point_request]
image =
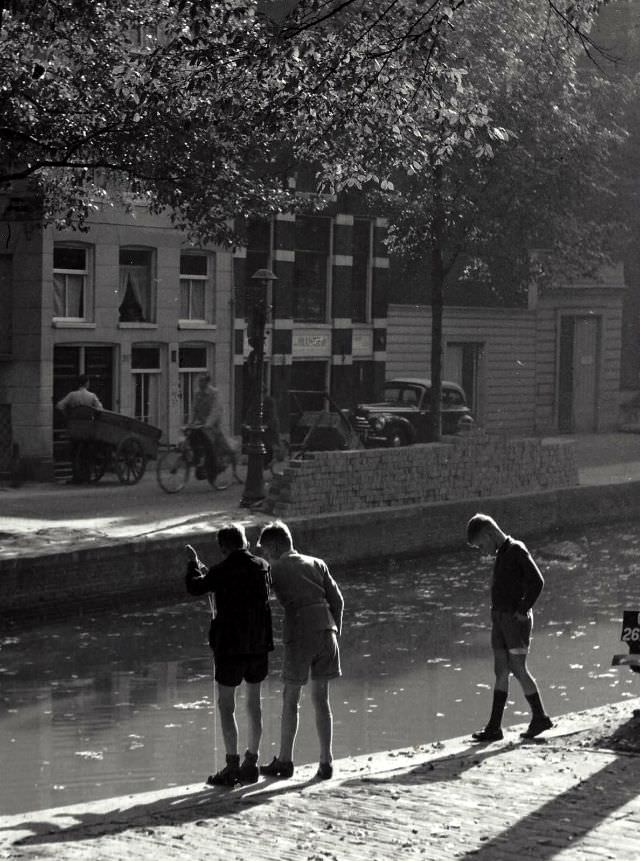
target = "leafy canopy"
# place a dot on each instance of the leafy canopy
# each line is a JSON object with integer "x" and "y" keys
{"x": 528, "y": 152}
{"x": 204, "y": 107}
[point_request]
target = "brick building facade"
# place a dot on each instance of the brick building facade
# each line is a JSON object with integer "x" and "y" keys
{"x": 132, "y": 304}
{"x": 327, "y": 329}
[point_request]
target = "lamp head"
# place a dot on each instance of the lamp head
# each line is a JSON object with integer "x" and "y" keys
{"x": 264, "y": 275}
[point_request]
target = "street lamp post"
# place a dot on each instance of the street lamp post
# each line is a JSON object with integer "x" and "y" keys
{"x": 257, "y": 311}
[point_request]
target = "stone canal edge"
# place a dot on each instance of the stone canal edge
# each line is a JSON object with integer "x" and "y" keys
{"x": 85, "y": 573}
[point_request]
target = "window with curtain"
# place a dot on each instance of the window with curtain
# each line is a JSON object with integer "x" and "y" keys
{"x": 70, "y": 277}
{"x": 196, "y": 293}
{"x": 136, "y": 295}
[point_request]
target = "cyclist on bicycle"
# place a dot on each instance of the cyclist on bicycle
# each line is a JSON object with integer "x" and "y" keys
{"x": 207, "y": 436}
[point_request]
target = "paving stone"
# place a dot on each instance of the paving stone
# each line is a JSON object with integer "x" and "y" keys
{"x": 557, "y": 800}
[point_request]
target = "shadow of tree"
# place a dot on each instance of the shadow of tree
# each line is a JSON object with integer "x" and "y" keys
{"x": 568, "y": 817}
{"x": 565, "y": 819}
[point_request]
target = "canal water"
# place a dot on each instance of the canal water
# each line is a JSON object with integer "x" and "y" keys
{"x": 123, "y": 702}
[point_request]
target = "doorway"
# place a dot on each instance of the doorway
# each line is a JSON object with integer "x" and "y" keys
{"x": 578, "y": 374}
{"x": 463, "y": 362}
{"x": 68, "y": 364}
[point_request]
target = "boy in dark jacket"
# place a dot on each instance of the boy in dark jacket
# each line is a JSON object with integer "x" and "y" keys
{"x": 516, "y": 585}
{"x": 241, "y": 638}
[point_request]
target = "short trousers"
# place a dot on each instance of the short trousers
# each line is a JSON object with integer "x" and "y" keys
{"x": 231, "y": 670}
{"x": 318, "y": 654}
{"x": 510, "y": 633}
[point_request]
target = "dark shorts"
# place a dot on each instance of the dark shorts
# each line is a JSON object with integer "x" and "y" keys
{"x": 510, "y": 633}
{"x": 317, "y": 653}
{"x": 232, "y": 670}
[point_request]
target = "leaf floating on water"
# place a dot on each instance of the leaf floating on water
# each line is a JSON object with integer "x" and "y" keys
{"x": 90, "y": 754}
{"x": 194, "y": 706}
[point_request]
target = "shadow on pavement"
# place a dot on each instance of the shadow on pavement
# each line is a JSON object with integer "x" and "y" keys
{"x": 447, "y": 767}
{"x": 567, "y": 818}
{"x": 562, "y": 821}
{"x": 193, "y": 807}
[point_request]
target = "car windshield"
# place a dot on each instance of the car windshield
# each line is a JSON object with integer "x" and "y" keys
{"x": 401, "y": 395}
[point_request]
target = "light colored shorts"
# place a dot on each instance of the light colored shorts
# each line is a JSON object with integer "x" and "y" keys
{"x": 510, "y": 633}
{"x": 318, "y": 654}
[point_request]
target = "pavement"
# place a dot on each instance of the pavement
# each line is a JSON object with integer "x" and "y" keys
{"x": 43, "y": 518}
{"x": 571, "y": 795}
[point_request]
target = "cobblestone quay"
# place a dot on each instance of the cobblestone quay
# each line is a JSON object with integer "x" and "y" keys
{"x": 574, "y": 796}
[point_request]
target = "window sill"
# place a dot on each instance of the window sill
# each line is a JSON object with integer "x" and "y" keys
{"x": 137, "y": 325}
{"x": 196, "y": 324}
{"x": 64, "y": 323}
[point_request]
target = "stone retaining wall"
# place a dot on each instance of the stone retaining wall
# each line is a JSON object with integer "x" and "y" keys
{"x": 152, "y": 569}
{"x": 465, "y": 467}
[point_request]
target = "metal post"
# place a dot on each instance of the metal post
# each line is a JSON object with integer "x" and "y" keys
{"x": 257, "y": 312}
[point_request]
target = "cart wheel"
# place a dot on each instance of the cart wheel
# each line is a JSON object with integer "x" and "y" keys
{"x": 99, "y": 459}
{"x": 172, "y": 471}
{"x": 130, "y": 461}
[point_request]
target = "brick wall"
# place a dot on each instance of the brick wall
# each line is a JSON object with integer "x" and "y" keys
{"x": 477, "y": 465}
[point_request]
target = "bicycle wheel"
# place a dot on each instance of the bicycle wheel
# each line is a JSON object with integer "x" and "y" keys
{"x": 172, "y": 471}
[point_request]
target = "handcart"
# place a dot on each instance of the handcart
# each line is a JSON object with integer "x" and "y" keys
{"x": 103, "y": 440}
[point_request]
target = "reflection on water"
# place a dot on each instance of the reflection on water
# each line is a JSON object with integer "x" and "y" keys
{"x": 118, "y": 703}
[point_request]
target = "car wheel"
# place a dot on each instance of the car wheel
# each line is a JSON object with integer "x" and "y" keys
{"x": 397, "y": 438}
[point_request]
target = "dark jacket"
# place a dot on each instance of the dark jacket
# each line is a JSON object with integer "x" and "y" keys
{"x": 240, "y": 584}
{"x": 517, "y": 581}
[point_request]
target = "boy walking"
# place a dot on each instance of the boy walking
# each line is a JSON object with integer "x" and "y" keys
{"x": 313, "y": 607}
{"x": 516, "y": 586}
{"x": 241, "y": 638}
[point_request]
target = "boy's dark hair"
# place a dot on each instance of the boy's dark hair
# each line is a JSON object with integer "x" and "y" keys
{"x": 477, "y": 523}
{"x": 83, "y": 379}
{"x": 232, "y": 537}
{"x": 278, "y": 535}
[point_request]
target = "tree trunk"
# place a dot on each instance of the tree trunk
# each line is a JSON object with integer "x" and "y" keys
{"x": 437, "y": 302}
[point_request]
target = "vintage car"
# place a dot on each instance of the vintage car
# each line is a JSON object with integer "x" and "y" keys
{"x": 403, "y": 417}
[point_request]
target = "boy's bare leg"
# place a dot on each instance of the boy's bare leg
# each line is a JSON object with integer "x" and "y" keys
{"x": 324, "y": 718}
{"x": 289, "y": 726}
{"x": 227, "y": 710}
{"x": 254, "y": 717}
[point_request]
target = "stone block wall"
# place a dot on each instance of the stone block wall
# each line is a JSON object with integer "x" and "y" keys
{"x": 476, "y": 465}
